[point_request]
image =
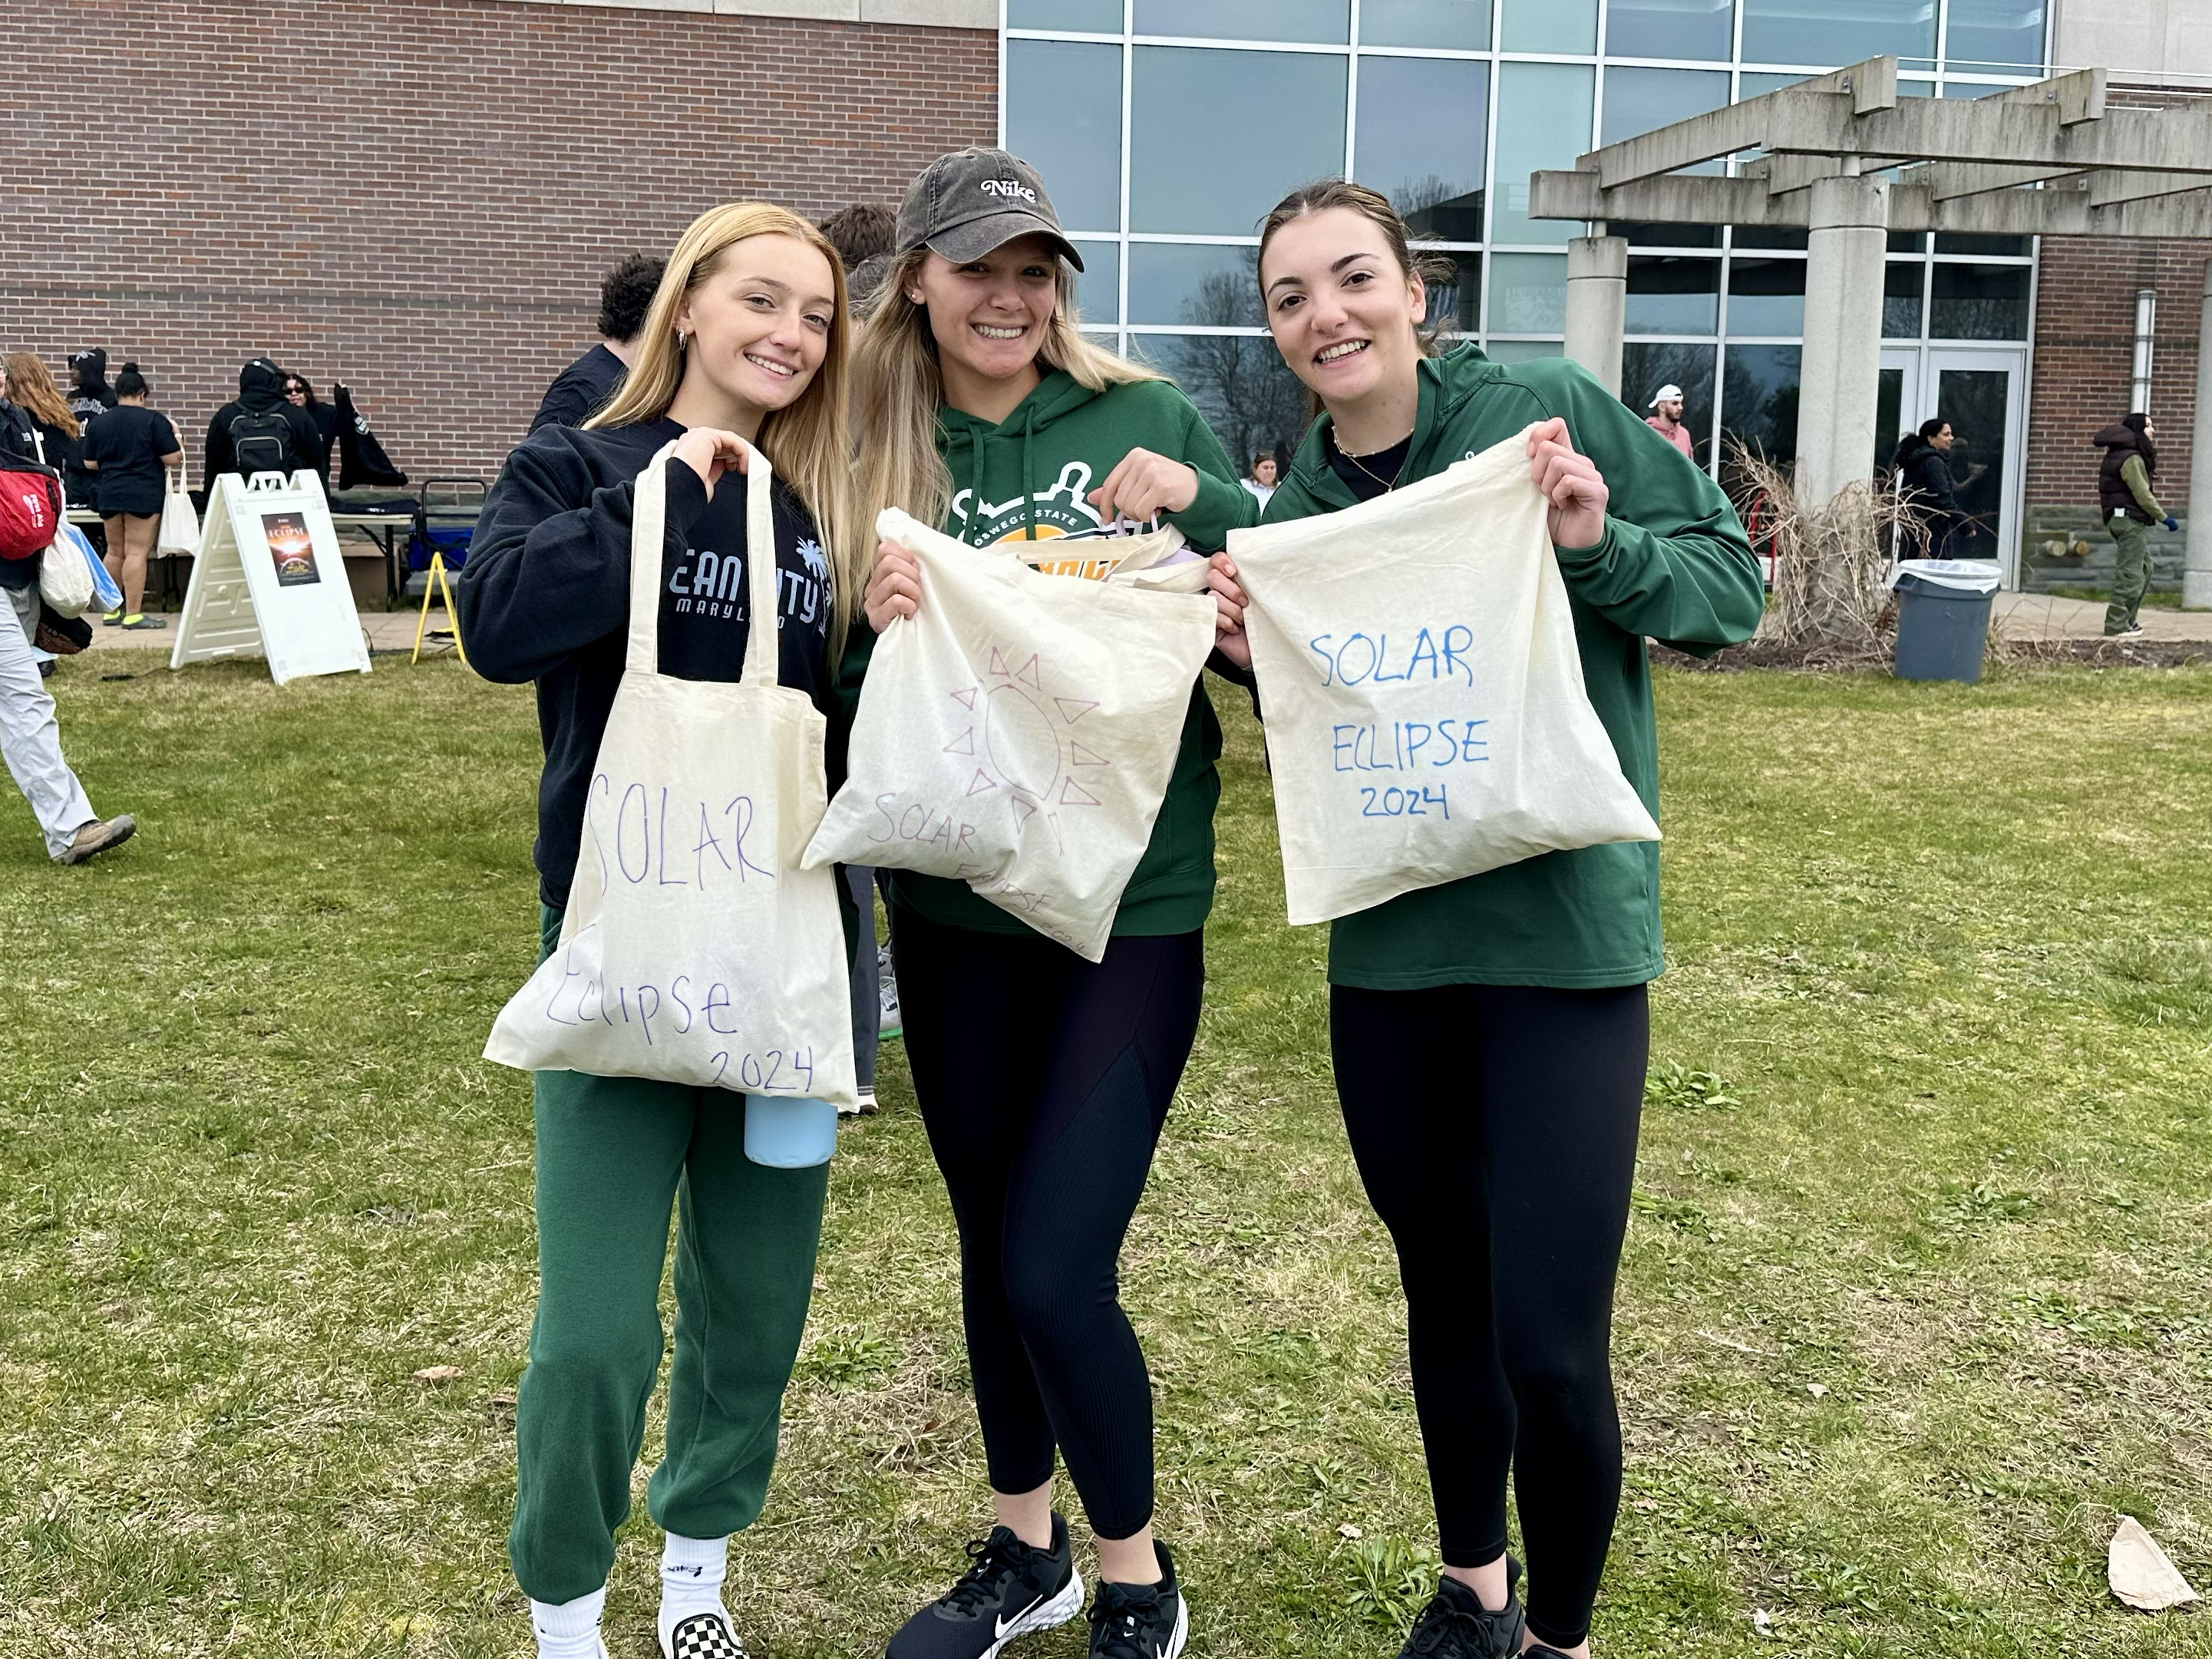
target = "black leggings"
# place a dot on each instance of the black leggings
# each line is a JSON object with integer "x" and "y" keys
{"x": 1495, "y": 1129}
{"x": 1045, "y": 1080}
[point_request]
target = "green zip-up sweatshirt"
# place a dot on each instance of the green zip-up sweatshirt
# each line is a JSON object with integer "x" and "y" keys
{"x": 1028, "y": 477}
{"x": 1674, "y": 566}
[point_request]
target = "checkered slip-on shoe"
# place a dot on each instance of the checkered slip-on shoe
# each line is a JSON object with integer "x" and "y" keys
{"x": 704, "y": 1636}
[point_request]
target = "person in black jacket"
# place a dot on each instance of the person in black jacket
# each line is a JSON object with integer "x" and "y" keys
{"x": 746, "y": 339}
{"x": 300, "y": 395}
{"x": 260, "y": 415}
{"x": 1923, "y": 471}
{"x": 589, "y": 383}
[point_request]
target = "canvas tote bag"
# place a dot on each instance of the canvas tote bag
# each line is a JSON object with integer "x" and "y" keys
{"x": 696, "y": 949}
{"x": 1425, "y": 713}
{"x": 1019, "y": 733}
{"x": 179, "y": 534}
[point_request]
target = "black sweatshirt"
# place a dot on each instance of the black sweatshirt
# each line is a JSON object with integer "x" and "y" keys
{"x": 545, "y": 597}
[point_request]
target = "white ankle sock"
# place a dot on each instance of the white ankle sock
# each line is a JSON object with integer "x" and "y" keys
{"x": 690, "y": 1578}
{"x": 569, "y": 1630}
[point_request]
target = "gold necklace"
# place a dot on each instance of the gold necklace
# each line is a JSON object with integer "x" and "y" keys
{"x": 1389, "y": 484}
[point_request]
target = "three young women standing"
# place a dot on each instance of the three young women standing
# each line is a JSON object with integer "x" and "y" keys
{"x": 1502, "y": 1163}
{"x": 746, "y": 339}
{"x": 1044, "y": 1079}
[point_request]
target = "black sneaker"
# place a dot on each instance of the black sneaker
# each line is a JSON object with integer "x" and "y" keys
{"x": 1011, "y": 1590}
{"x": 704, "y": 1636}
{"x": 1140, "y": 1621}
{"x": 1457, "y": 1626}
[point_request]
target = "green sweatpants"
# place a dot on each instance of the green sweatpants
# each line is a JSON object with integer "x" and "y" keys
{"x": 613, "y": 1154}
{"x": 2130, "y": 574}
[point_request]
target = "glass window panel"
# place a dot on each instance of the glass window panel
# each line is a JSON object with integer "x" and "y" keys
{"x": 1088, "y": 16}
{"x": 1529, "y": 293}
{"x": 1759, "y": 399}
{"x": 1979, "y": 302}
{"x": 1240, "y": 383}
{"x": 1456, "y": 300}
{"x": 1836, "y": 31}
{"x": 1216, "y": 137}
{"x": 1328, "y": 21}
{"x": 1994, "y": 32}
{"x": 1637, "y": 100}
{"x": 1462, "y": 23}
{"x": 1668, "y": 235}
{"x": 1907, "y": 241}
{"x": 1986, "y": 247}
{"x": 1098, "y": 284}
{"x": 1975, "y": 401}
{"x": 1645, "y": 366}
{"x": 1543, "y": 121}
{"x": 1064, "y": 119}
{"x": 1550, "y": 26}
{"x": 1523, "y": 351}
{"x": 1674, "y": 296}
{"x": 1424, "y": 127}
{"x": 1888, "y": 412}
{"x": 1669, "y": 28}
{"x": 1769, "y": 236}
{"x": 1900, "y": 301}
{"x": 1767, "y": 297}
{"x": 1758, "y": 84}
{"x": 1193, "y": 282}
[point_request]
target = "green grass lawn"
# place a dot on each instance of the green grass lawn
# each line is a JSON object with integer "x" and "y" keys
{"x": 1917, "y": 1296}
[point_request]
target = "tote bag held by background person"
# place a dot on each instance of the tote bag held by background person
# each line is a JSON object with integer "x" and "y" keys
{"x": 695, "y": 949}
{"x": 1426, "y": 714}
{"x": 1018, "y": 733}
{"x": 179, "y": 534}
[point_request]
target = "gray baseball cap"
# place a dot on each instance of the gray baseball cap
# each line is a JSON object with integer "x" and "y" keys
{"x": 973, "y": 200}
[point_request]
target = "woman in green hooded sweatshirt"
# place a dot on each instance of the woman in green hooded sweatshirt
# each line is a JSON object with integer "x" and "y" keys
{"x": 1501, "y": 1158}
{"x": 1044, "y": 1079}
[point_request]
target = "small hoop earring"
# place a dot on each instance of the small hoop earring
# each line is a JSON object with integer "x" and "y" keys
{"x": 682, "y": 340}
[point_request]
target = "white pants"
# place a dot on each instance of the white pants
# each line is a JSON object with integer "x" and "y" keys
{"x": 31, "y": 738}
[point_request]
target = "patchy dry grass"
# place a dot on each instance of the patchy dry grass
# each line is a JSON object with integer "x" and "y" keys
{"x": 1917, "y": 1297}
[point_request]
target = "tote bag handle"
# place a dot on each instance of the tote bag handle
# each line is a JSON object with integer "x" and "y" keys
{"x": 647, "y": 539}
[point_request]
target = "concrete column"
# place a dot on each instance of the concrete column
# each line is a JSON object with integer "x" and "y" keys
{"x": 2196, "y": 566}
{"x": 1597, "y": 305}
{"x": 1841, "y": 372}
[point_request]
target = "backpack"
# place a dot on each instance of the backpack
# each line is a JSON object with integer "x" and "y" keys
{"x": 261, "y": 443}
{"x": 31, "y": 511}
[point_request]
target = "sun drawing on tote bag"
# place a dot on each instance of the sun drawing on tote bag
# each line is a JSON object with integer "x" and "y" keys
{"x": 1022, "y": 741}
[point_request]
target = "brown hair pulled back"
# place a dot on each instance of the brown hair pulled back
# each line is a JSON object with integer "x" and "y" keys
{"x": 1322, "y": 195}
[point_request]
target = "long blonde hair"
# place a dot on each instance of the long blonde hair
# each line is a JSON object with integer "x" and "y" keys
{"x": 808, "y": 444}
{"x": 898, "y": 386}
{"x": 31, "y": 386}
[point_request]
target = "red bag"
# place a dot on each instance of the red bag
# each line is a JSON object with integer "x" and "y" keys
{"x": 30, "y": 507}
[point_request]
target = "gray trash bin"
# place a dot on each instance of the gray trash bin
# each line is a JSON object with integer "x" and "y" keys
{"x": 1943, "y": 617}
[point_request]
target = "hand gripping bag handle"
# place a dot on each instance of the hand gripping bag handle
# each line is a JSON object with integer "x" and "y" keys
{"x": 648, "y": 540}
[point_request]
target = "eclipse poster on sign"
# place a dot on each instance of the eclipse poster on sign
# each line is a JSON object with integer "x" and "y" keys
{"x": 291, "y": 548}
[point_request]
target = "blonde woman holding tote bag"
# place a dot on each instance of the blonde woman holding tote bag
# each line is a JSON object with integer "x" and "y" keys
{"x": 745, "y": 347}
{"x": 1043, "y": 1078}
{"x": 1502, "y": 1160}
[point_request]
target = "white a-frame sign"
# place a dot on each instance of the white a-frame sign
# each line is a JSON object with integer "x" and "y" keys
{"x": 269, "y": 581}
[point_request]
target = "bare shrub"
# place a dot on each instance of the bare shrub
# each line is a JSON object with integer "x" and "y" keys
{"x": 1829, "y": 602}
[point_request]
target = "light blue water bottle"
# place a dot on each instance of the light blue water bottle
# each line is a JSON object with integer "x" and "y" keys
{"x": 789, "y": 1133}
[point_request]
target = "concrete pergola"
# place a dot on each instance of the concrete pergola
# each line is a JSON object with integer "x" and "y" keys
{"x": 1847, "y": 160}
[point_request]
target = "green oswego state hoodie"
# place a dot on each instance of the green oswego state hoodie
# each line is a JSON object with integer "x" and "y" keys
{"x": 1028, "y": 477}
{"x": 1674, "y": 566}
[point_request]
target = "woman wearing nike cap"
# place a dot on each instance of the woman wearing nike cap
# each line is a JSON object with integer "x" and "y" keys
{"x": 1044, "y": 1079}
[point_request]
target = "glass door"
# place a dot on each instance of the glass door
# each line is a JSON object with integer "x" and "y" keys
{"x": 1979, "y": 393}
{"x": 1896, "y": 406}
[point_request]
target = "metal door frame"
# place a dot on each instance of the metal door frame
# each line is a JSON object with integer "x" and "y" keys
{"x": 2013, "y": 360}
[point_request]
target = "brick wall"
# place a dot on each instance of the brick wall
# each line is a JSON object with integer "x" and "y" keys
{"x": 420, "y": 198}
{"x": 2085, "y": 329}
